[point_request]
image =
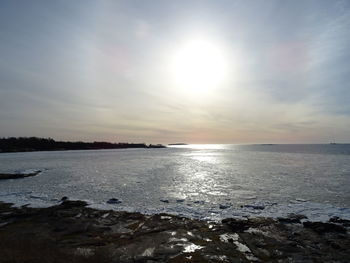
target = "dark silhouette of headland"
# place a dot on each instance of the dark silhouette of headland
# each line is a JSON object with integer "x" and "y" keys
{"x": 29, "y": 144}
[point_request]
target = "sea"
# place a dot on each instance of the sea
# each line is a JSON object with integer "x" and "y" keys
{"x": 208, "y": 182}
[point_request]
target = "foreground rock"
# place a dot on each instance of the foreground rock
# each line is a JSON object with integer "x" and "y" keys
{"x": 73, "y": 232}
{"x": 18, "y": 175}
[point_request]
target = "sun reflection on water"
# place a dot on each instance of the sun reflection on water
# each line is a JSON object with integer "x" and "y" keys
{"x": 199, "y": 174}
{"x": 203, "y": 146}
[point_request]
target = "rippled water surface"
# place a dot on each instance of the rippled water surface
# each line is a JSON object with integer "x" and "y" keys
{"x": 206, "y": 181}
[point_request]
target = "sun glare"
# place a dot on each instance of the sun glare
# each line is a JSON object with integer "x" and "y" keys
{"x": 199, "y": 66}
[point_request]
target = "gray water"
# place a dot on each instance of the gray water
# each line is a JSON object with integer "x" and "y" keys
{"x": 193, "y": 180}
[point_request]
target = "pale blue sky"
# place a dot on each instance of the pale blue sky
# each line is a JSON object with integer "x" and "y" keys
{"x": 98, "y": 70}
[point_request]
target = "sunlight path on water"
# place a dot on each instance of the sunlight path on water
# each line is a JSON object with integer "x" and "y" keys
{"x": 205, "y": 181}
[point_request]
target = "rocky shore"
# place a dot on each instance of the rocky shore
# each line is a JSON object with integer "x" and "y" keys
{"x": 18, "y": 175}
{"x": 73, "y": 232}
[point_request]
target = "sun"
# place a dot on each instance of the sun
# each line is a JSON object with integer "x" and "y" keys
{"x": 199, "y": 66}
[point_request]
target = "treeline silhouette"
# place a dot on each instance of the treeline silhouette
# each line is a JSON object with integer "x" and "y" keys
{"x": 27, "y": 144}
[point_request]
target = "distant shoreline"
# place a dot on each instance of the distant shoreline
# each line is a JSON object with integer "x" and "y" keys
{"x": 34, "y": 144}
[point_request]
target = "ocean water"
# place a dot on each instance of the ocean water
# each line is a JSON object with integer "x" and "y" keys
{"x": 201, "y": 181}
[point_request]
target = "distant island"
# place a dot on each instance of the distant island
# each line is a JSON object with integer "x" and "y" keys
{"x": 30, "y": 144}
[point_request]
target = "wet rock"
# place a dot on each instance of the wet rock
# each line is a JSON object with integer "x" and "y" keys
{"x": 18, "y": 175}
{"x": 321, "y": 228}
{"x": 301, "y": 200}
{"x": 76, "y": 228}
{"x": 259, "y": 207}
{"x": 292, "y": 219}
{"x": 164, "y": 200}
{"x": 70, "y": 204}
{"x": 338, "y": 220}
{"x": 3, "y": 224}
{"x": 86, "y": 252}
{"x": 236, "y": 225}
{"x": 67, "y": 213}
{"x": 64, "y": 198}
{"x": 105, "y": 215}
{"x": 224, "y": 206}
{"x": 114, "y": 201}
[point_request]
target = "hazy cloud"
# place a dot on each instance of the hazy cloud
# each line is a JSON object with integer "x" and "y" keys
{"x": 98, "y": 70}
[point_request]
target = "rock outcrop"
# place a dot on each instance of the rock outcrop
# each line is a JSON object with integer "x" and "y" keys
{"x": 18, "y": 175}
{"x": 73, "y": 232}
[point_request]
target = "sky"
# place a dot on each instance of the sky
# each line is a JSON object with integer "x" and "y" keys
{"x": 176, "y": 71}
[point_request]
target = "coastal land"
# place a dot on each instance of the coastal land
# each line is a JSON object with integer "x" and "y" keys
{"x": 30, "y": 144}
{"x": 73, "y": 232}
{"x": 18, "y": 175}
